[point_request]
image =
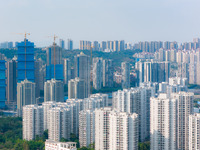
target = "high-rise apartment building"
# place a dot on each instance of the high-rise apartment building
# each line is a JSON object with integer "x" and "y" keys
{"x": 95, "y": 46}
{"x": 102, "y": 140}
{"x": 76, "y": 88}
{"x": 2, "y": 81}
{"x": 62, "y": 118}
{"x": 153, "y": 71}
{"x": 84, "y": 45}
{"x": 59, "y": 123}
{"x": 32, "y": 122}
{"x": 54, "y": 63}
{"x": 185, "y": 108}
{"x": 103, "y": 45}
{"x": 62, "y": 44}
{"x": 121, "y": 45}
{"x": 11, "y": 88}
{"x": 54, "y": 91}
{"x": 6, "y": 45}
{"x": 167, "y": 45}
{"x": 170, "y": 120}
{"x": 66, "y": 70}
{"x": 97, "y": 73}
{"x": 111, "y": 45}
{"x": 25, "y": 59}
{"x": 115, "y": 46}
{"x": 123, "y": 131}
{"x": 125, "y": 69}
{"x": 25, "y": 95}
{"x": 82, "y": 70}
{"x": 193, "y": 73}
{"x": 86, "y": 128}
{"x": 136, "y": 100}
{"x": 39, "y": 77}
{"x": 194, "y": 130}
{"x": 115, "y": 130}
{"x": 108, "y": 73}
{"x": 70, "y": 44}
{"x": 183, "y": 70}
{"x": 46, "y": 107}
{"x": 108, "y": 45}
{"x": 163, "y": 120}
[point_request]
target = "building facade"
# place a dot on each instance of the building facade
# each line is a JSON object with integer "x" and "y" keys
{"x": 54, "y": 68}
{"x": 76, "y": 88}
{"x": 25, "y": 59}
{"x": 25, "y": 95}
{"x": 82, "y": 70}
{"x": 194, "y": 130}
{"x": 97, "y": 73}
{"x": 54, "y": 91}
{"x": 125, "y": 69}
{"x": 32, "y": 122}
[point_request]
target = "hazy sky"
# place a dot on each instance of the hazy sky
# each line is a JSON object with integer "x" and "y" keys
{"x": 131, "y": 20}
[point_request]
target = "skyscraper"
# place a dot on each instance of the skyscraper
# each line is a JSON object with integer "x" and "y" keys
{"x": 167, "y": 45}
{"x": 102, "y": 128}
{"x": 153, "y": 71}
{"x": 32, "y": 122}
{"x": 25, "y": 95}
{"x": 107, "y": 73}
{"x": 2, "y": 81}
{"x": 66, "y": 70}
{"x": 84, "y": 45}
{"x": 70, "y": 44}
{"x": 86, "y": 128}
{"x": 115, "y": 46}
{"x": 170, "y": 120}
{"x": 115, "y": 130}
{"x": 123, "y": 129}
{"x": 121, "y": 45}
{"x": 46, "y": 107}
{"x": 76, "y": 88}
{"x": 54, "y": 91}
{"x": 194, "y": 130}
{"x": 97, "y": 73}
{"x": 59, "y": 123}
{"x": 25, "y": 66}
{"x": 111, "y": 45}
{"x": 62, "y": 44}
{"x": 108, "y": 45}
{"x": 163, "y": 123}
{"x": 185, "y": 108}
{"x": 39, "y": 76}
{"x": 125, "y": 66}
{"x": 82, "y": 70}
{"x": 103, "y": 45}
{"x": 95, "y": 46}
{"x": 136, "y": 100}
{"x": 11, "y": 92}
{"x": 54, "y": 62}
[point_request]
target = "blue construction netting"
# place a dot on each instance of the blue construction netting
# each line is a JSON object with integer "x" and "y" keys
{"x": 2, "y": 83}
{"x": 25, "y": 61}
{"x": 58, "y": 72}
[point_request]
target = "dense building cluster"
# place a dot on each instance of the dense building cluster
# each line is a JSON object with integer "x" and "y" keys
{"x": 159, "y": 108}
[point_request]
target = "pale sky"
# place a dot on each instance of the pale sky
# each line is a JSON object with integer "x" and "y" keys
{"x": 130, "y": 20}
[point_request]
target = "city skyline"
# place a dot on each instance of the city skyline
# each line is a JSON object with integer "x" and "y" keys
{"x": 132, "y": 21}
{"x": 100, "y": 75}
